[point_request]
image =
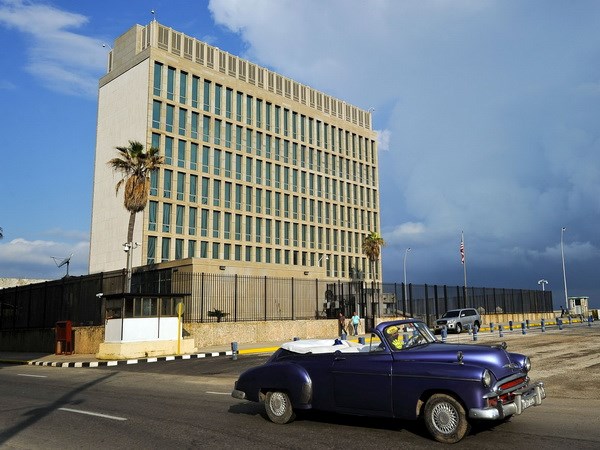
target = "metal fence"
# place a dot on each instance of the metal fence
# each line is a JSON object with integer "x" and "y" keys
{"x": 237, "y": 298}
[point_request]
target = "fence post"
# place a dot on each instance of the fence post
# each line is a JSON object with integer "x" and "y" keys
{"x": 491, "y": 327}
{"x": 543, "y": 325}
{"x": 475, "y": 329}
{"x": 444, "y": 333}
{"x": 523, "y": 329}
{"x": 510, "y": 325}
{"x": 500, "y": 332}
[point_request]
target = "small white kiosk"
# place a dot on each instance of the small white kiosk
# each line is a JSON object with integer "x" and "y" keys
{"x": 143, "y": 325}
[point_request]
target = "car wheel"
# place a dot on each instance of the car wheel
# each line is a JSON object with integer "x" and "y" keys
{"x": 458, "y": 328}
{"x": 279, "y": 407}
{"x": 445, "y": 419}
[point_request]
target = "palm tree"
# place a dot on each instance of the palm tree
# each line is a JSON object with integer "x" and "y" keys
{"x": 135, "y": 164}
{"x": 371, "y": 247}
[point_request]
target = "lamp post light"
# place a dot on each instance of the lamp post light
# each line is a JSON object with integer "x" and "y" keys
{"x": 128, "y": 248}
{"x": 543, "y": 283}
{"x": 405, "y": 288}
{"x": 562, "y": 254}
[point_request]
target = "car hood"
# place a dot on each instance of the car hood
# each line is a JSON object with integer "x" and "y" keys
{"x": 494, "y": 358}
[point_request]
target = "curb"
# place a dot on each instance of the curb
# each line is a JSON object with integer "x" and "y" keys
{"x": 126, "y": 361}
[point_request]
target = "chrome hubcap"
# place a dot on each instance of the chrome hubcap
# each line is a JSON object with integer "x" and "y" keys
{"x": 277, "y": 403}
{"x": 444, "y": 418}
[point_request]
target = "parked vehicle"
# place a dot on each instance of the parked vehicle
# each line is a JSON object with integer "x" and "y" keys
{"x": 402, "y": 372}
{"x": 458, "y": 320}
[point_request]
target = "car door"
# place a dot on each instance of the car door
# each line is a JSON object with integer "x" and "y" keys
{"x": 362, "y": 382}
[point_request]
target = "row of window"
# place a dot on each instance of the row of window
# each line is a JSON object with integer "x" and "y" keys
{"x": 262, "y": 145}
{"x": 213, "y": 98}
{"x": 178, "y": 219}
{"x": 258, "y": 172}
{"x": 207, "y": 190}
{"x": 336, "y": 265}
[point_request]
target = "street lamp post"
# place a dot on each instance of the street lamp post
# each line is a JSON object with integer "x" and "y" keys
{"x": 543, "y": 283}
{"x": 405, "y": 254}
{"x": 562, "y": 254}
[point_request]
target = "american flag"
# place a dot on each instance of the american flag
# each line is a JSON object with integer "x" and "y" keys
{"x": 462, "y": 250}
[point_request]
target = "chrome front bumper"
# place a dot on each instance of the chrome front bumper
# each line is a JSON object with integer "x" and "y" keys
{"x": 531, "y": 395}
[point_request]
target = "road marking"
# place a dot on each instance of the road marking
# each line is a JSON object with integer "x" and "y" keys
{"x": 218, "y": 393}
{"x": 89, "y": 413}
{"x": 33, "y": 376}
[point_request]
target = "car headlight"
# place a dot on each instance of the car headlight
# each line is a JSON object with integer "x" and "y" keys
{"x": 486, "y": 378}
{"x": 527, "y": 364}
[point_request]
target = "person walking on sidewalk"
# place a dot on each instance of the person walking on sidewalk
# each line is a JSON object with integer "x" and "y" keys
{"x": 355, "y": 322}
{"x": 342, "y": 322}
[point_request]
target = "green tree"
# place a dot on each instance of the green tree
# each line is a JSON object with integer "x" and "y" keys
{"x": 371, "y": 248}
{"x": 135, "y": 165}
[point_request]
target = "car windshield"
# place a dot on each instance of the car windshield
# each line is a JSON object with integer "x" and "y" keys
{"x": 407, "y": 335}
{"x": 450, "y": 314}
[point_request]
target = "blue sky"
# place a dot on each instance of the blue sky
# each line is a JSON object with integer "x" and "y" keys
{"x": 487, "y": 112}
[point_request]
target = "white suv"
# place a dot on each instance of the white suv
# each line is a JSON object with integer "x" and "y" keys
{"x": 458, "y": 319}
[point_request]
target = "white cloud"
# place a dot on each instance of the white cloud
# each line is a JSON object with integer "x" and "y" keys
{"x": 61, "y": 59}
{"x": 22, "y": 258}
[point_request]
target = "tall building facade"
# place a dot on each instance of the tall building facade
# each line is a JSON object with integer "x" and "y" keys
{"x": 262, "y": 175}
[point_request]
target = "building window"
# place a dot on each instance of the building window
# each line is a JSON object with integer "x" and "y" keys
{"x": 181, "y": 154}
{"x": 167, "y": 183}
{"x": 170, "y": 83}
{"x": 179, "y": 212}
{"x": 169, "y": 120}
{"x": 166, "y": 223}
{"x": 191, "y": 248}
{"x": 151, "y": 257}
{"x": 178, "y": 248}
{"x": 156, "y": 106}
{"x": 192, "y": 221}
{"x": 180, "y": 185}
{"x": 215, "y": 250}
{"x": 152, "y": 212}
{"x": 157, "y": 78}
{"x": 195, "y": 84}
{"x": 193, "y": 188}
{"x": 206, "y": 95}
{"x": 183, "y": 87}
{"x": 203, "y": 249}
{"x": 193, "y": 156}
{"x": 218, "y": 90}
{"x": 216, "y": 223}
{"x": 204, "y": 222}
{"x": 165, "y": 251}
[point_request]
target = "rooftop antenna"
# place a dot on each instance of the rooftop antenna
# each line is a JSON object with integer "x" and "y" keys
{"x": 62, "y": 262}
{"x": 153, "y": 14}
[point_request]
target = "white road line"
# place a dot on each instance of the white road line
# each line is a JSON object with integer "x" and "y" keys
{"x": 89, "y": 413}
{"x": 218, "y": 393}
{"x": 33, "y": 376}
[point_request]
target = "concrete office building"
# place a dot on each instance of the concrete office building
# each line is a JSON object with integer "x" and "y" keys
{"x": 262, "y": 175}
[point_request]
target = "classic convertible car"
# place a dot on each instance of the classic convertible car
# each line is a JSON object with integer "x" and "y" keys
{"x": 402, "y": 372}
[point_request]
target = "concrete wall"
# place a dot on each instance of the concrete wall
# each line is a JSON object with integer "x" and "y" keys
{"x": 87, "y": 340}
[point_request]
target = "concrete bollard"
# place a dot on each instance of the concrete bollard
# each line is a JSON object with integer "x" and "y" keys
{"x": 475, "y": 331}
{"x": 491, "y": 327}
{"x": 234, "y": 351}
{"x": 500, "y": 332}
{"x": 469, "y": 329}
{"x": 343, "y": 336}
{"x": 361, "y": 340}
{"x": 444, "y": 333}
{"x": 510, "y": 325}
{"x": 527, "y": 323}
{"x": 590, "y": 320}
{"x": 543, "y": 326}
{"x": 570, "y": 320}
{"x": 523, "y": 329}
{"x": 559, "y": 322}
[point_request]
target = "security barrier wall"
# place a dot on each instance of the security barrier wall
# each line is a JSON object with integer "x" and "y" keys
{"x": 237, "y": 298}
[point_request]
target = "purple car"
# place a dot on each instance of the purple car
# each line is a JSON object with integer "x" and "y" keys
{"x": 402, "y": 372}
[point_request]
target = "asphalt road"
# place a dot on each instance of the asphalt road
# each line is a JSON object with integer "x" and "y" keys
{"x": 187, "y": 404}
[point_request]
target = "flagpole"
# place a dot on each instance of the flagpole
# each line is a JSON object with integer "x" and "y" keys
{"x": 464, "y": 263}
